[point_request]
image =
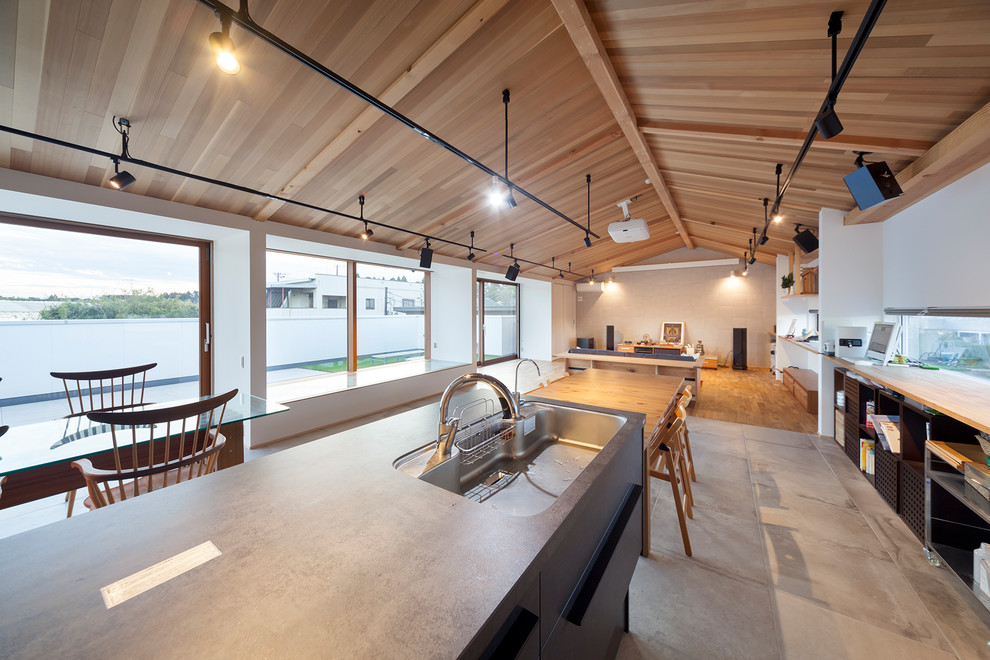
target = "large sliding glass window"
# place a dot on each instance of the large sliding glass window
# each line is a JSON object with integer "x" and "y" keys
{"x": 391, "y": 324}
{"x": 498, "y": 311}
{"x": 78, "y": 298}
{"x": 306, "y": 316}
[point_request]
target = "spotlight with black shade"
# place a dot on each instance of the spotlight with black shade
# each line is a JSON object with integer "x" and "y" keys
{"x": 587, "y": 240}
{"x": 426, "y": 256}
{"x": 471, "y": 254}
{"x": 827, "y": 122}
{"x": 367, "y": 233}
{"x": 223, "y": 47}
{"x": 513, "y": 272}
{"x": 120, "y": 180}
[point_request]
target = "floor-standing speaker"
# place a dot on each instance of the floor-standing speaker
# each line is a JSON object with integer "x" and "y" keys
{"x": 739, "y": 348}
{"x": 610, "y": 337}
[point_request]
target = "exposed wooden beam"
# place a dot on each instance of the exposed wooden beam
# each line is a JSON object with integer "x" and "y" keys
{"x": 956, "y": 155}
{"x": 465, "y": 27}
{"x": 585, "y": 36}
{"x": 761, "y": 257}
{"x": 742, "y": 230}
{"x": 781, "y": 137}
{"x": 744, "y": 198}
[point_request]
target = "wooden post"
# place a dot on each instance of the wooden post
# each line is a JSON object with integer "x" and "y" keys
{"x": 352, "y": 303}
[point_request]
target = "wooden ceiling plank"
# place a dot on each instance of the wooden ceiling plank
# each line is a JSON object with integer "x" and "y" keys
{"x": 454, "y": 38}
{"x": 842, "y": 142}
{"x": 732, "y": 250}
{"x": 583, "y": 33}
{"x": 956, "y": 155}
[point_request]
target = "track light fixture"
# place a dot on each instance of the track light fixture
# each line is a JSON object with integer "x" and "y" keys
{"x": 591, "y": 280}
{"x": 513, "y": 272}
{"x": 121, "y": 180}
{"x": 426, "y": 255}
{"x": 501, "y": 195}
{"x": 471, "y": 254}
{"x": 587, "y": 232}
{"x": 752, "y": 248}
{"x": 368, "y": 232}
{"x": 223, "y": 47}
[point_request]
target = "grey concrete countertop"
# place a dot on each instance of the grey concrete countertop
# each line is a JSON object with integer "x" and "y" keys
{"x": 327, "y": 551}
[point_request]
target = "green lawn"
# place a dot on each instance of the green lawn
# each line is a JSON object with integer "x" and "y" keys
{"x": 334, "y": 366}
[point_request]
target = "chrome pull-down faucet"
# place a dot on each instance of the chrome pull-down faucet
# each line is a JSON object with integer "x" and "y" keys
{"x": 516, "y": 388}
{"x": 447, "y": 428}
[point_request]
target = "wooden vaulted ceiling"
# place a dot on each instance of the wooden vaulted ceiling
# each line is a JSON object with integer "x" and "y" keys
{"x": 701, "y": 98}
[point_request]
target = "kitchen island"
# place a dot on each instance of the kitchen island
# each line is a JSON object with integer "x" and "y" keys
{"x": 327, "y": 551}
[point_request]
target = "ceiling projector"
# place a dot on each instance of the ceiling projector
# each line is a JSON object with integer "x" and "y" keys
{"x": 629, "y": 230}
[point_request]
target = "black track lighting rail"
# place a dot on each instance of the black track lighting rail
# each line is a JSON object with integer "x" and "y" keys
{"x": 115, "y": 158}
{"x": 245, "y": 22}
{"x": 553, "y": 268}
{"x": 838, "y": 80}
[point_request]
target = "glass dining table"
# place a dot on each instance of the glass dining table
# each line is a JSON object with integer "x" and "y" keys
{"x": 37, "y": 458}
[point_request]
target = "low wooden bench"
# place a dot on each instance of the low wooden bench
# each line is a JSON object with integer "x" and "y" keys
{"x": 803, "y": 384}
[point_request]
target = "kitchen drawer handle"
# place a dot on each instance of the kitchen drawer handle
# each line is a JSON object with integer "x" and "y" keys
{"x": 513, "y": 635}
{"x": 603, "y": 556}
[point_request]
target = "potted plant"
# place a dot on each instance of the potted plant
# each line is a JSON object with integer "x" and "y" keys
{"x": 787, "y": 281}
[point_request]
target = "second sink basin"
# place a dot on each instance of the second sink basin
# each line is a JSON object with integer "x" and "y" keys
{"x": 519, "y": 467}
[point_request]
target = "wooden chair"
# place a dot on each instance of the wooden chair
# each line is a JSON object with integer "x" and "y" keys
{"x": 106, "y": 389}
{"x": 665, "y": 462}
{"x": 188, "y": 445}
{"x": 682, "y": 405}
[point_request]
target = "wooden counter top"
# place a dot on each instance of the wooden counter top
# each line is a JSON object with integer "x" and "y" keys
{"x": 813, "y": 346}
{"x": 958, "y": 395}
{"x": 644, "y": 393}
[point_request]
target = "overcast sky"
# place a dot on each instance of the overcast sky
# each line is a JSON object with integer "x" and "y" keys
{"x": 38, "y": 262}
{"x": 41, "y": 262}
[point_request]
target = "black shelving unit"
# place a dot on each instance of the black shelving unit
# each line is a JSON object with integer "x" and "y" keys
{"x": 932, "y": 498}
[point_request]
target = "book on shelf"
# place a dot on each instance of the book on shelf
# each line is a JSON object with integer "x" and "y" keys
{"x": 888, "y": 431}
{"x": 866, "y": 451}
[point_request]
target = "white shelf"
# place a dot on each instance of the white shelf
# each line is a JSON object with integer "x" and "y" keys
{"x": 799, "y": 295}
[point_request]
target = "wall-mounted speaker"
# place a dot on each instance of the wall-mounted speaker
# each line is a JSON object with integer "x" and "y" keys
{"x": 872, "y": 184}
{"x": 806, "y": 241}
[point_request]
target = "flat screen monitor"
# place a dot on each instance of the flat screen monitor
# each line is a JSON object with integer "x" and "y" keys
{"x": 883, "y": 342}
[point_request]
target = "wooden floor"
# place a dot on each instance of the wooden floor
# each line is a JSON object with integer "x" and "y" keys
{"x": 750, "y": 397}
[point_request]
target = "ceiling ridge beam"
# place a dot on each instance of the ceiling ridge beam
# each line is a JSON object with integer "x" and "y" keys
{"x": 761, "y": 257}
{"x": 738, "y": 196}
{"x": 960, "y": 152}
{"x": 728, "y": 227}
{"x": 465, "y": 27}
{"x": 783, "y": 137}
{"x": 589, "y": 44}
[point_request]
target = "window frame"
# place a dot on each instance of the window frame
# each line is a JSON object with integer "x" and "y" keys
{"x": 205, "y": 259}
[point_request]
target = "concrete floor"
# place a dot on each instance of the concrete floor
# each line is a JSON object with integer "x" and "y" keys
{"x": 795, "y": 555}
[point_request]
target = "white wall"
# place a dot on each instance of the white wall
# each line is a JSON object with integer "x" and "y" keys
{"x": 452, "y": 315}
{"x": 937, "y": 252}
{"x": 536, "y": 319}
{"x": 33, "y": 349}
{"x": 706, "y": 299}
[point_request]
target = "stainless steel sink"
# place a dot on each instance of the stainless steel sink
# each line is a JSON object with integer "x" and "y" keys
{"x": 520, "y": 467}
